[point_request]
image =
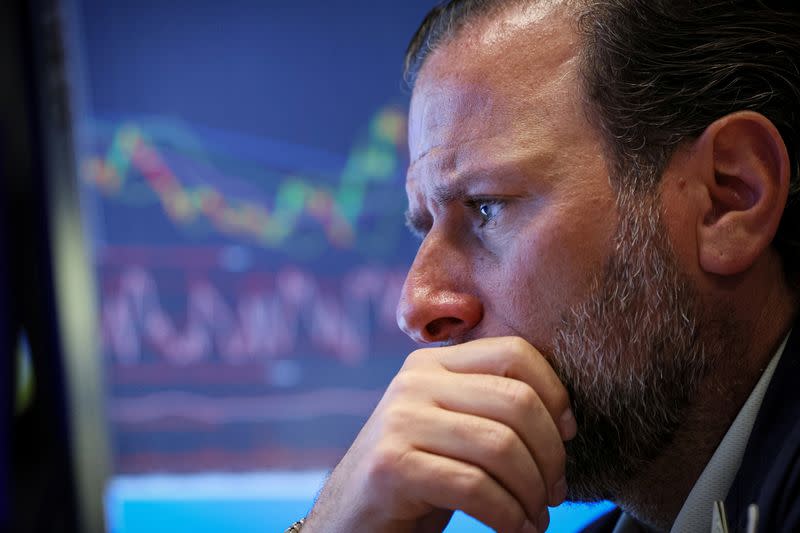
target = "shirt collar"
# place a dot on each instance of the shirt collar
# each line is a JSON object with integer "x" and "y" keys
{"x": 718, "y": 475}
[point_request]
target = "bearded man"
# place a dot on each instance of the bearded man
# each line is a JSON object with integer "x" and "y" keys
{"x": 606, "y": 193}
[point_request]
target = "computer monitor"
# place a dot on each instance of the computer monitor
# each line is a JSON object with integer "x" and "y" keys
{"x": 58, "y": 458}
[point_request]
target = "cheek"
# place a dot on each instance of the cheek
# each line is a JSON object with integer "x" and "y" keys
{"x": 681, "y": 218}
{"x": 548, "y": 268}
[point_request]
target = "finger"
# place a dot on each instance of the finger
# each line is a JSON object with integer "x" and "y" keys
{"x": 511, "y": 357}
{"x": 447, "y": 483}
{"x": 513, "y": 404}
{"x": 504, "y": 400}
{"x": 494, "y": 447}
{"x": 435, "y": 522}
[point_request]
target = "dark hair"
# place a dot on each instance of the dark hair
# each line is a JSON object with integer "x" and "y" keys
{"x": 656, "y": 73}
{"x": 443, "y": 23}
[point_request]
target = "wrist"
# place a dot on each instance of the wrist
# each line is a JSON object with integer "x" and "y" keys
{"x": 296, "y": 527}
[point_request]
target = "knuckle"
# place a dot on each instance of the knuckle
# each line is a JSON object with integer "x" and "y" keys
{"x": 396, "y": 421}
{"x": 524, "y": 402}
{"x": 517, "y": 345}
{"x": 470, "y": 483}
{"x": 500, "y": 440}
{"x": 522, "y": 396}
{"x": 515, "y": 348}
{"x": 386, "y": 467}
{"x": 403, "y": 383}
{"x": 417, "y": 357}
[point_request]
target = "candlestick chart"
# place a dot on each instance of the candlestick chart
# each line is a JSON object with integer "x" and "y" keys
{"x": 165, "y": 159}
{"x": 247, "y": 287}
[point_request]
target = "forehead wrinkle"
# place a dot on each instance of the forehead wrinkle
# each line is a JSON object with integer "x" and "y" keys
{"x": 459, "y": 155}
{"x": 450, "y": 112}
{"x": 440, "y": 184}
{"x": 436, "y": 159}
{"x": 514, "y": 171}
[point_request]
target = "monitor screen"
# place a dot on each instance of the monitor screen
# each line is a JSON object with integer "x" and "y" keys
{"x": 243, "y": 165}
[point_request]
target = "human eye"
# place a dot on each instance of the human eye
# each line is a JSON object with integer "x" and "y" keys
{"x": 486, "y": 209}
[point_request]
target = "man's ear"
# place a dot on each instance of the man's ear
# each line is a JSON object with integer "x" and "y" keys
{"x": 746, "y": 174}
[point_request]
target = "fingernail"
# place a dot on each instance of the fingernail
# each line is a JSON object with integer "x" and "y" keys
{"x": 560, "y": 491}
{"x": 544, "y": 521}
{"x": 569, "y": 427}
{"x": 527, "y": 527}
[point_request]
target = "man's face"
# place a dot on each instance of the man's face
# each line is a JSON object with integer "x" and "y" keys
{"x": 524, "y": 235}
{"x": 508, "y": 186}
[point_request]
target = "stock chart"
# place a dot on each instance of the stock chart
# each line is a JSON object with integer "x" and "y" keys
{"x": 249, "y": 259}
{"x": 245, "y": 301}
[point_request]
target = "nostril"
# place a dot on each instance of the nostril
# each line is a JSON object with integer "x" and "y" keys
{"x": 431, "y": 314}
{"x": 443, "y": 328}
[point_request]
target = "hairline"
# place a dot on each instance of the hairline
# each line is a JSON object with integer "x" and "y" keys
{"x": 580, "y": 9}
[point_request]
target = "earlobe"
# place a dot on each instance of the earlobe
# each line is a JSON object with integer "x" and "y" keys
{"x": 747, "y": 181}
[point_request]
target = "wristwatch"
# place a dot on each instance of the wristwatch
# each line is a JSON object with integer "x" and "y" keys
{"x": 296, "y": 527}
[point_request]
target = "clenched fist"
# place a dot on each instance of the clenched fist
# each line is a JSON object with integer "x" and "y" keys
{"x": 478, "y": 427}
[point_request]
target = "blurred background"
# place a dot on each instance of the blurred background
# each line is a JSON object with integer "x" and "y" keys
{"x": 239, "y": 169}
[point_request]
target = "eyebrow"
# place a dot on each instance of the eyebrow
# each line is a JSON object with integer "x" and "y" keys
{"x": 445, "y": 194}
{"x": 418, "y": 223}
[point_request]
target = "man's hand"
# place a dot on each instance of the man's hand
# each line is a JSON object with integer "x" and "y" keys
{"x": 477, "y": 427}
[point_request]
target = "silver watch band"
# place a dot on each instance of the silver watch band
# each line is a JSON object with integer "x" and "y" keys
{"x": 296, "y": 527}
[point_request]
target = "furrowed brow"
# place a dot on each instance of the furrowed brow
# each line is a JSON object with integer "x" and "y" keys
{"x": 418, "y": 223}
{"x": 456, "y": 189}
{"x": 445, "y": 194}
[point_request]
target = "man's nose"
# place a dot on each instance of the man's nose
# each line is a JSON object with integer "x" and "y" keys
{"x": 437, "y": 304}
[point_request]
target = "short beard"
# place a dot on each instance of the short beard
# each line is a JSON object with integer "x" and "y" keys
{"x": 631, "y": 356}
